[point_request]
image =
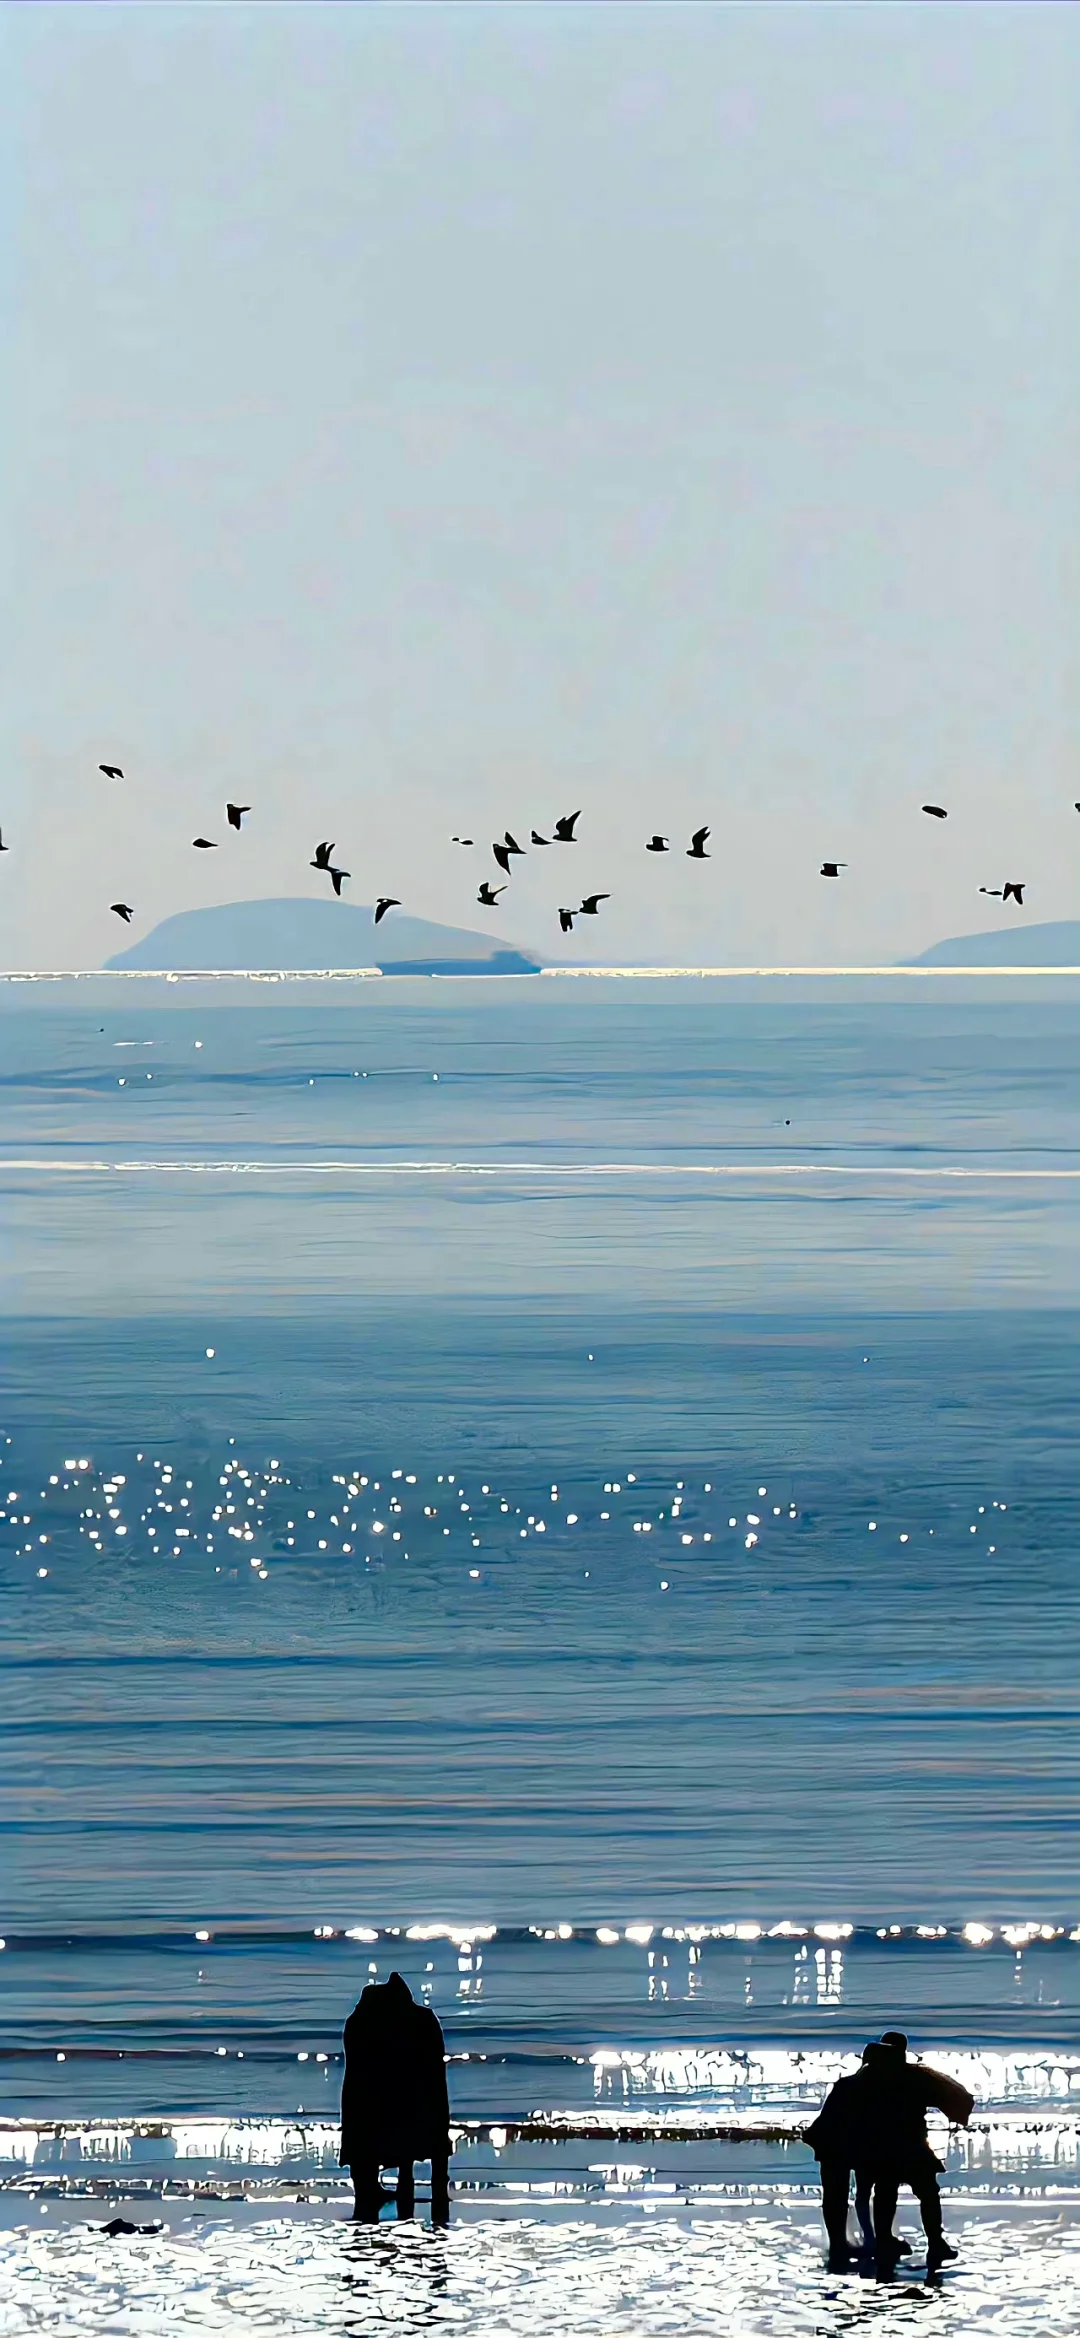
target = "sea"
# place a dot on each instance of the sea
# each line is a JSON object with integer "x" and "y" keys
{"x": 567, "y": 1490}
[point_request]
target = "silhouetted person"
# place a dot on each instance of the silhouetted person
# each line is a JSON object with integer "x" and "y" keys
{"x": 394, "y": 2103}
{"x": 896, "y": 2150}
{"x": 835, "y": 2138}
{"x": 837, "y": 2141}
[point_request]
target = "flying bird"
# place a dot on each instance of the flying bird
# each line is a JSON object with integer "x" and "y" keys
{"x": 696, "y": 850}
{"x": 234, "y": 813}
{"x": 591, "y": 904}
{"x": 501, "y": 853}
{"x": 489, "y": 894}
{"x": 385, "y": 901}
{"x": 564, "y": 828}
{"x": 547, "y": 840}
{"x": 121, "y": 909}
{"x": 510, "y": 845}
{"x": 660, "y": 843}
{"x": 336, "y": 876}
{"x": 1005, "y": 892}
{"x": 566, "y": 920}
{"x": 322, "y": 857}
{"x": 463, "y": 840}
{"x": 111, "y": 770}
{"x": 832, "y": 868}
{"x": 936, "y": 811}
{"x": 203, "y": 844}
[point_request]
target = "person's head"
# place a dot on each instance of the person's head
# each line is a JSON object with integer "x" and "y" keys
{"x": 895, "y": 2041}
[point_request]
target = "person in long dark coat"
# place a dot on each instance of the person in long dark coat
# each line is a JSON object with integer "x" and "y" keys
{"x": 395, "y": 2107}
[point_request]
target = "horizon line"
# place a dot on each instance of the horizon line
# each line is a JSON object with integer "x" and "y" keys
{"x": 469, "y": 972}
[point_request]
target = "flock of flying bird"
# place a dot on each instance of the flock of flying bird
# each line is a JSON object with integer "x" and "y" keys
{"x": 507, "y": 849}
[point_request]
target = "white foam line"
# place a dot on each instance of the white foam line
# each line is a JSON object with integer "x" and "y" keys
{"x": 718, "y": 1169}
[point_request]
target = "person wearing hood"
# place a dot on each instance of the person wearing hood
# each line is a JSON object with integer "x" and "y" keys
{"x": 395, "y": 2107}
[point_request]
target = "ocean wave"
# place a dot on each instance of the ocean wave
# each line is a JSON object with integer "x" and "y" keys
{"x": 66, "y": 1167}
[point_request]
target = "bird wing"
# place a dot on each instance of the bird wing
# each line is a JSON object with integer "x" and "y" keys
{"x": 500, "y": 852}
{"x": 699, "y": 837}
{"x": 547, "y": 840}
{"x": 564, "y": 828}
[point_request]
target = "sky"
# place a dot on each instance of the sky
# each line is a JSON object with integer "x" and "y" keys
{"x": 432, "y": 420}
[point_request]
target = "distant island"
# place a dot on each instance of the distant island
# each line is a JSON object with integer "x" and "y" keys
{"x": 333, "y": 936}
{"x": 1018, "y": 945}
{"x": 255, "y": 936}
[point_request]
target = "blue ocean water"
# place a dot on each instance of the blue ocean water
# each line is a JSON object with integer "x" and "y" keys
{"x": 572, "y": 1495}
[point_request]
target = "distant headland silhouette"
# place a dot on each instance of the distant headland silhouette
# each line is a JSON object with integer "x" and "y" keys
{"x": 251, "y": 935}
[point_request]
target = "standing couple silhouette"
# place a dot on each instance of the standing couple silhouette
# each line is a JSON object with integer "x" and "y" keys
{"x": 873, "y": 2126}
{"x": 395, "y": 2108}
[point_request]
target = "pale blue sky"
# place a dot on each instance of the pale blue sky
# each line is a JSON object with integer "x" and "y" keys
{"x": 437, "y": 418}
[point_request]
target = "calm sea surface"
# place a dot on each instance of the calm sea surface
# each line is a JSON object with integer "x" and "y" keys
{"x": 567, "y": 1490}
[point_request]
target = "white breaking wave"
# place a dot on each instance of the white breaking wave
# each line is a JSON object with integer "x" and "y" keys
{"x": 719, "y": 1169}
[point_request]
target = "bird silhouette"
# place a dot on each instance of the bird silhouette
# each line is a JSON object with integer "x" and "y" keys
{"x": 1012, "y": 892}
{"x": 591, "y": 904}
{"x": 336, "y": 877}
{"x": 203, "y": 844}
{"x": 566, "y": 920}
{"x": 322, "y": 857}
{"x": 489, "y": 894}
{"x": 111, "y": 770}
{"x": 547, "y": 840}
{"x": 696, "y": 850}
{"x": 564, "y": 828}
{"x": 832, "y": 868}
{"x": 660, "y": 843}
{"x": 510, "y": 844}
{"x": 936, "y": 811}
{"x": 121, "y": 909}
{"x": 501, "y": 853}
{"x": 385, "y": 901}
{"x": 463, "y": 840}
{"x": 234, "y": 813}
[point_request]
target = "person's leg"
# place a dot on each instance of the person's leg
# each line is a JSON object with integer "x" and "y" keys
{"x": 440, "y": 2191}
{"x": 864, "y": 2185}
{"x": 406, "y": 2189}
{"x": 886, "y": 2189}
{"x": 835, "y": 2179}
{"x": 938, "y": 2251}
{"x": 368, "y": 2194}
